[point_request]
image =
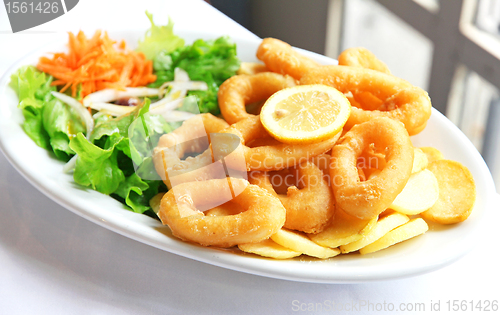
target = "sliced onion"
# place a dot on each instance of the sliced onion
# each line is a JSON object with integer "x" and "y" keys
{"x": 180, "y": 75}
{"x": 70, "y": 165}
{"x": 112, "y": 109}
{"x": 165, "y": 105}
{"x": 79, "y": 108}
{"x": 185, "y": 85}
{"x": 177, "y": 115}
{"x": 108, "y": 95}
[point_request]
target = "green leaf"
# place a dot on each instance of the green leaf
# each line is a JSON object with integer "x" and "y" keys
{"x": 96, "y": 167}
{"x": 212, "y": 61}
{"x": 159, "y": 38}
{"x": 132, "y": 191}
{"x": 28, "y": 82}
{"x": 60, "y": 121}
{"x": 33, "y": 126}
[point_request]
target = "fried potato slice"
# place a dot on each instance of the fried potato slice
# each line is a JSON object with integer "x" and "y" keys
{"x": 269, "y": 248}
{"x": 420, "y": 193}
{"x": 343, "y": 229}
{"x": 420, "y": 160}
{"x": 432, "y": 154}
{"x": 299, "y": 242}
{"x": 457, "y": 193}
{"x": 383, "y": 226}
{"x": 402, "y": 233}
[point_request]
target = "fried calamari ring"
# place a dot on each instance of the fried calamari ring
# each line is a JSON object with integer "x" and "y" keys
{"x": 263, "y": 213}
{"x": 270, "y": 157}
{"x": 240, "y": 90}
{"x": 363, "y": 58}
{"x": 310, "y": 206}
{"x": 400, "y": 100}
{"x": 191, "y": 137}
{"x": 366, "y": 199}
{"x": 280, "y": 57}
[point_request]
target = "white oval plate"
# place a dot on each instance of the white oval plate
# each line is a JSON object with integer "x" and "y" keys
{"x": 440, "y": 246}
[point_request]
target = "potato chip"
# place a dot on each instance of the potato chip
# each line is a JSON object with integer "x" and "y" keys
{"x": 420, "y": 193}
{"x": 432, "y": 154}
{"x": 383, "y": 226}
{"x": 420, "y": 160}
{"x": 269, "y": 248}
{"x": 343, "y": 229}
{"x": 299, "y": 242}
{"x": 457, "y": 193}
{"x": 402, "y": 233}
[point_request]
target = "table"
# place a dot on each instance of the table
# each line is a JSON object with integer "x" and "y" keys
{"x": 55, "y": 262}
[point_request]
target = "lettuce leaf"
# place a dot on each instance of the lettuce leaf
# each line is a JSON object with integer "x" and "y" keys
{"x": 116, "y": 160}
{"x": 47, "y": 121}
{"x": 158, "y": 39}
{"x": 97, "y": 167}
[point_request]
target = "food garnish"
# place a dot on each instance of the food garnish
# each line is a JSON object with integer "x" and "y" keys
{"x": 93, "y": 64}
{"x": 305, "y": 113}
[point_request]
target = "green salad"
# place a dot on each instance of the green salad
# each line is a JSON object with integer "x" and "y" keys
{"x": 114, "y": 155}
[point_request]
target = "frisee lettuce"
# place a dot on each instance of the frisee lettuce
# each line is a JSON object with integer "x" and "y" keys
{"x": 159, "y": 39}
{"x": 105, "y": 160}
{"x": 47, "y": 121}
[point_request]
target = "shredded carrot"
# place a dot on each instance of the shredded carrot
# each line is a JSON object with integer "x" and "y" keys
{"x": 96, "y": 64}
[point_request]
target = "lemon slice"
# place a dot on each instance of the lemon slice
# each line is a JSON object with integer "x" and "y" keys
{"x": 305, "y": 113}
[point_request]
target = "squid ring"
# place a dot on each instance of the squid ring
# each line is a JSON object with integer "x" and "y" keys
{"x": 191, "y": 137}
{"x": 366, "y": 199}
{"x": 240, "y": 90}
{"x": 400, "y": 100}
{"x": 270, "y": 157}
{"x": 363, "y": 58}
{"x": 262, "y": 214}
{"x": 280, "y": 57}
{"x": 310, "y": 206}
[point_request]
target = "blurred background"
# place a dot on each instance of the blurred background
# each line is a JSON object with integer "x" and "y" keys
{"x": 451, "y": 48}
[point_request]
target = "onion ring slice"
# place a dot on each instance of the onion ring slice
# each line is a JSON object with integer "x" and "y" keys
{"x": 400, "y": 100}
{"x": 363, "y": 58}
{"x": 366, "y": 199}
{"x": 191, "y": 137}
{"x": 263, "y": 213}
{"x": 310, "y": 206}
{"x": 280, "y": 57}
{"x": 240, "y": 90}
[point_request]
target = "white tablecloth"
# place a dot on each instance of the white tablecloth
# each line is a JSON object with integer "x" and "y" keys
{"x": 55, "y": 262}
